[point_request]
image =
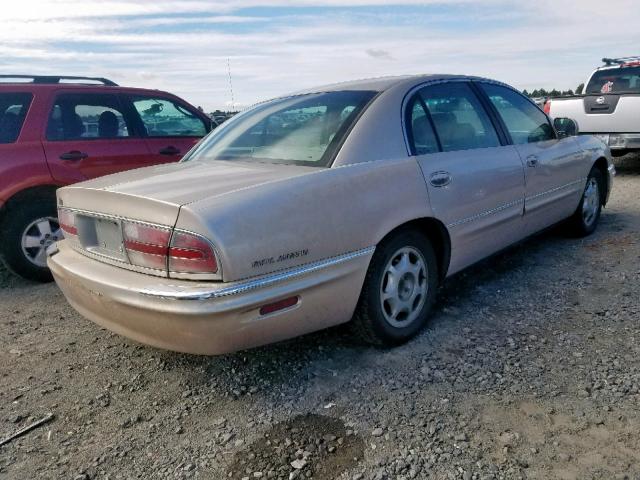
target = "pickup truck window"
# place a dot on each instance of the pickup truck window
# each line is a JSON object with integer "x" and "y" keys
{"x": 13, "y": 109}
{"x": 525, "y": 122}
{"x": 615, "y": 80}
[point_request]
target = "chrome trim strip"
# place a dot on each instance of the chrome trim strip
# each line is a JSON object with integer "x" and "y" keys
{"x": 541, "y": 194}
{"x": 249, "y": 285}
{"x": 484, "y": 214}
{"x": 511, "y": 204}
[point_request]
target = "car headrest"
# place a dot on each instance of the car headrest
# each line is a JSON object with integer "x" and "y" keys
{"x": 108, "y": 125}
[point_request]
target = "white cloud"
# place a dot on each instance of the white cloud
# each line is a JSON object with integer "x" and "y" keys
{"x": 142, "y": 43}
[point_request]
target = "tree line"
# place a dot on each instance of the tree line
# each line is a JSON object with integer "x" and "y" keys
{"x": 541, "y": 92}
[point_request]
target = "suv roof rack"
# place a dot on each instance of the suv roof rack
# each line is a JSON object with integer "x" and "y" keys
{"x": 620, "y": 61}
{"x": 57, "y": 78}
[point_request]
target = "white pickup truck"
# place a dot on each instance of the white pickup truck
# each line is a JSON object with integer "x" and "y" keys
{"x": 609, "y": 106}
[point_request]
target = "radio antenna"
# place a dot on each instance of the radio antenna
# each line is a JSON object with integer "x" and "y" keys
{"x": 233, "y": 102}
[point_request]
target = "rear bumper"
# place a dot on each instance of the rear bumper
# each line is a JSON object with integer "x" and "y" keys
{"x": 205, "y": 317}
{"x": 619, "y": 141}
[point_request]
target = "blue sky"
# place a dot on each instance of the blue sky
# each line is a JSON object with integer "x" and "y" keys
{"x": 279, "y": 46}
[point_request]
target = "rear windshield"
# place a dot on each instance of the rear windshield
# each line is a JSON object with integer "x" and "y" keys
{"x": 615, "y": 80}
{"x": 13, "y": 109}
{"x": 301, "y": 130}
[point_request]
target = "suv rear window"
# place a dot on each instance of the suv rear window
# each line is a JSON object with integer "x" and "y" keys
{"x": 13, "y": 109}
{"x": 615, "y": 80}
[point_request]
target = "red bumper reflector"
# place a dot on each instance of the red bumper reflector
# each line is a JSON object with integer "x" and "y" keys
{"x": 279, "y": 305}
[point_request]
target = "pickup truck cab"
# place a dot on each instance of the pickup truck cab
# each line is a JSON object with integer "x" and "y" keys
{"x": 55, "y": 131}
{"x": 609, "y": 106}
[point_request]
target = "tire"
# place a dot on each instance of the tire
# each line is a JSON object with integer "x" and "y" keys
{"x": 25, "y": 239}
{"x": 585, "y": 219}
{"x": 413, "y": 292}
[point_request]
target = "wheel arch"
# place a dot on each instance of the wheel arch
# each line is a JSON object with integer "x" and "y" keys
{"x": 437, "y": 234}
{"x": 38, "y": 192}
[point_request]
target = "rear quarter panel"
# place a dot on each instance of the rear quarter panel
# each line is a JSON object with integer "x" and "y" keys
{"x": 311, "y": 217}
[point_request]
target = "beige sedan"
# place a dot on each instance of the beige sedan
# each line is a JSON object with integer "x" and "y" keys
{"x": 350, "y": 202}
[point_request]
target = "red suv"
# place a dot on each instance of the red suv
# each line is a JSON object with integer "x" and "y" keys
{"x": 60, "y": 130}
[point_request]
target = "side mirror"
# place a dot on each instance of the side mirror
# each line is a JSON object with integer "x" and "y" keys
{"x": 566, "y": 127}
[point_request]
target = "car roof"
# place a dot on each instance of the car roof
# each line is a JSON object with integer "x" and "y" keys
{"x": 45, "y": 87}
{"x": 380, "y": 84}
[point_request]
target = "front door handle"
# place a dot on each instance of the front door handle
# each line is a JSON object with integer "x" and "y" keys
{"x": 532, "y": 161}
{"x": 73, "y": 155}
{"x": 170, "y": 150}
{"x": 440, "y": 179}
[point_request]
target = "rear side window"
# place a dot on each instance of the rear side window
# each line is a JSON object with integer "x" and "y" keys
{"x": 13, "y": 110}
{"x": 421, "y": 135}
{"x": 86, "y": 117}
{"x": 458, "y": 116}
{"x": 164, "y": 118}
{"x": 525, "y": 122}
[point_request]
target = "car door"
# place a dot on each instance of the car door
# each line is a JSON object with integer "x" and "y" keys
{"x": 553, "y": 166}
{"x": 170, "y": 127}
{"x": 475, "y": 182}
{"x": 88, "y": 135}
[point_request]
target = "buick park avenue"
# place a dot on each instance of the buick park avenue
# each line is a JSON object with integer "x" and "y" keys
{"x": 346, "y": 203}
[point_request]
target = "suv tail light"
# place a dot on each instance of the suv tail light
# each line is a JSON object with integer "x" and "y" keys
{"x": 67, "y": 222}
{"x": 547, "y": 107}
{"x": 155, "y": 247}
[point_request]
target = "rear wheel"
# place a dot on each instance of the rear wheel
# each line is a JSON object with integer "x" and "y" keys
{"x": 28, "y": 231}
{"x": 399, "y": 290}
{"x": 585, "y": 219}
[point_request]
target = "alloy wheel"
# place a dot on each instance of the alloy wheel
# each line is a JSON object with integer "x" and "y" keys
{"x": 404, "y": 285}
{"x": 590, "y": 202}
{"x": 37, "y": 237}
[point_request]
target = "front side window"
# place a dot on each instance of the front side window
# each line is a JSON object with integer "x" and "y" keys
{"x": 460, "y": 120}
{"x": 164, "y": 118}
{"x": 87, "y": 117}
{"x": 13, "y": 110}
{"x": 421, "y": 135}
{"x": 525, "y": 122}
{"x": 615, "y": 80}
{"x": 300, "y": 130}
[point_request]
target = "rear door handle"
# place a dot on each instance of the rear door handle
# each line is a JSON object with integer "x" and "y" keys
{"x": 170, "y": 150}
{"x": 440, "y": 179}
{"x": 73, "y": 155}
{"x": 532, "y": 161}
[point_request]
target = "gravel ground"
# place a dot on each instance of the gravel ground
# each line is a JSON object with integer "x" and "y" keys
{"x": 529, "y": 369}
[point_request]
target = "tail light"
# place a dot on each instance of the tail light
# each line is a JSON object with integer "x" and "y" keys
{"x": 155, "y": 247}
{"x": 67, "y": 222}
{"x": 146, "y": 245}
{"x": 191, "y": 254}
{"x": 547, "y": 107}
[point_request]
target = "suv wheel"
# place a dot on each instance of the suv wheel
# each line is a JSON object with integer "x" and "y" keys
{"x": 28, "y": 232}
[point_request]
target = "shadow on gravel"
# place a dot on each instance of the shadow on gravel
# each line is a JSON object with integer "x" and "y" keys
{"x": 305, "y": 446}
{"x": 628, "y": 165}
